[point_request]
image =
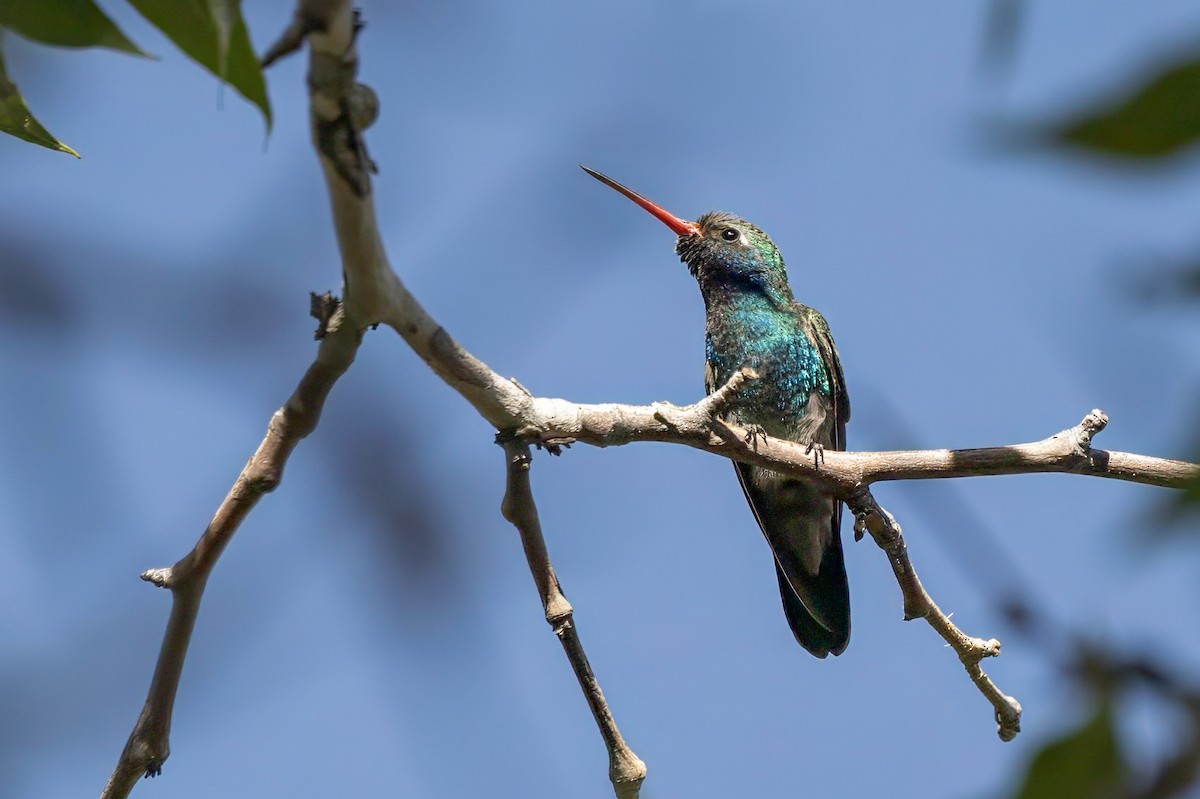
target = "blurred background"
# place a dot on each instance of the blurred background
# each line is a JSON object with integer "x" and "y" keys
{"x": 990, "y": 268}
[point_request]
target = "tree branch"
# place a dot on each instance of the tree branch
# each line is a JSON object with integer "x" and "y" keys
{"x": 918, "y": 604}
{"x": 340, "y": 109}
{"x": 625, "y": 770}
{"x": 842, "y": 473}
{"x": 148, "y": 745}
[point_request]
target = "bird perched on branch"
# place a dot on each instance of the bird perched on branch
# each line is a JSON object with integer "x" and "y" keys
{"x": 752, "y": 320}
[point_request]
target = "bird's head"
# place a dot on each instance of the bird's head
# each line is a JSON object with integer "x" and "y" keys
{"x": 720, "y": 249}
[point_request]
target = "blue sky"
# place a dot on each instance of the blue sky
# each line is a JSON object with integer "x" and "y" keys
{"x": 372, "y": 630}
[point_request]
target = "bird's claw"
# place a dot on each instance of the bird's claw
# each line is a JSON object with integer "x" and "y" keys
{"x": 860, "y": 525}
{"x": 817, "y": 450}
{"x": 754, "y": 434}
{"x": 532, "y": 436}
{"x": 554, "y": 446}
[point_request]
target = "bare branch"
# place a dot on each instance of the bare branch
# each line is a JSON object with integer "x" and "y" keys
{"x": 148, "y": 745}
{"x": 340, "y": 109}
{"x": 870, "y": 517}
{"x": 507, "y": 405}
{"x": 310, "y": 16}
{"x": 624, "y": 768}
{"x": 842, "y": 473}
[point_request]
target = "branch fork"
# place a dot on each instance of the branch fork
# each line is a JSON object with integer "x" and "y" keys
{"x": 625, "y": 770}
{"x": 340, "y": 109}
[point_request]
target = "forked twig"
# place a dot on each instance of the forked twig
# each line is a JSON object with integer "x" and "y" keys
{"x": 625, "y": 769}
{"x": 374, "y": 294}
{"x": 148, "y": 745}
{"x": 870, "y": 517}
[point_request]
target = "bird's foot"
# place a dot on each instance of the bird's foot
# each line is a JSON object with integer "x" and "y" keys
{"x": 871, "y": 517}
{"x": 754, "y": 434}
{"x": 817, "y": 450}
{"x": 554, "y": 446}
{"x": 532, "y": 436}
{"x": 860, "y": 525}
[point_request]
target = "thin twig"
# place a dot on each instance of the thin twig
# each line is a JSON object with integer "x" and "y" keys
{"x": 841, "y": 473}
{"x": 554, "y": 422}
{"x": 374, "y": 294}
{"x": 311, "y": 16}
{"x": 918, "y": 604}
{"x": 624, "y": 768}
{"x": 148, "y": 745}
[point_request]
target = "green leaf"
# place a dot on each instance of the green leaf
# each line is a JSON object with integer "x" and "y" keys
{"x": 16, "y": 120}
{"x": 1083, "y": 764}
{"x": 214, "y": 34}
{"x": 1178, "y": 512}
{"x": 1156, "y": 120}
{"x": 225, "y": 14}
{"x": 65, "y": 23}
{"x": 1188, "y": 500}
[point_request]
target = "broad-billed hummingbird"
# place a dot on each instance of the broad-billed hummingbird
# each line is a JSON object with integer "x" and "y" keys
{"x": 752, "y": 320}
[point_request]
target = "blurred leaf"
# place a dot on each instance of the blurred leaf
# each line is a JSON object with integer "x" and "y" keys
{"x": 1158, "y": 119}
{"x": 1084, "y": 764}
{"x": 1000, "y": 34}
{"x": 225, "y": 14}
{"x": 1189, "y": 498}
{"x": 16, "y": 120}
{"x": 214, "y": 34}
{"x": 1178, "y": 511}
{"x": 65, "y": 23}
{"x": 1160, "y": 283}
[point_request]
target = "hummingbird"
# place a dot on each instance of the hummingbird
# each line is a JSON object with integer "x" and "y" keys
{"x": 752, "y": 320}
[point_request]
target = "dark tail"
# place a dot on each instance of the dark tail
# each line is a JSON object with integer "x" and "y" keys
{"x": 803, "y": 528}
{"x": 831, "y": 590}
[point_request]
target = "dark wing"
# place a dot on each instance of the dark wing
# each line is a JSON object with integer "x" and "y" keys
{"x": 829, "y": 355}
{"x": 828, "y": 592}
{"x": 841, "y": 400}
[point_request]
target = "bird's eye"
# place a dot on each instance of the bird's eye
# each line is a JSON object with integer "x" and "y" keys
{"x": 729, "y": 234}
